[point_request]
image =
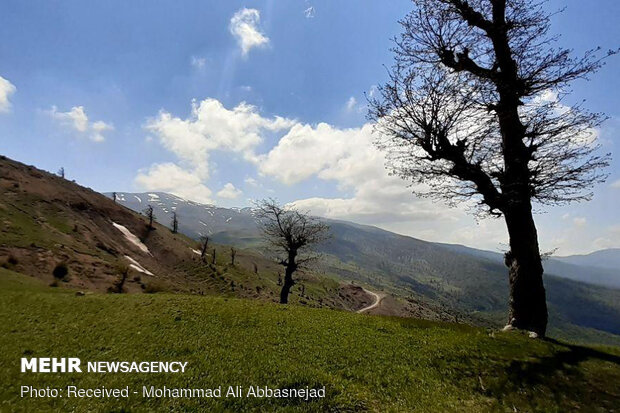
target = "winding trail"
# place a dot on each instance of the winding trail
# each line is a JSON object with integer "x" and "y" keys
{"x": 378, "y": 299}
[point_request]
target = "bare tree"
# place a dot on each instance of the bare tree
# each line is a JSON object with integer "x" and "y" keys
{"x": 292, "y": 233}
{"x": 233, "y": 255}
{"x": 114, "y": 197}
{"x": 474, "y": 110}
{"x": 119, "y": 284}
{"x": 213, "y": 258}
{"x": 204, "y": 242}
{"x": 148, "y": 211}
{"x": 175, "y": 223}
{"x": 61, "y": 172}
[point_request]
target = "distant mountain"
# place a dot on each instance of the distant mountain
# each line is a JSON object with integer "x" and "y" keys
{"x": 599, "y": 268}
{"x": 609, "y": 258}
{"x": 471, "y": 281}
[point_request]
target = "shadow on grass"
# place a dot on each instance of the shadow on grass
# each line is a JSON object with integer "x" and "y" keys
{"x": 539, "y": 370}
{"x": 563, "y": 379}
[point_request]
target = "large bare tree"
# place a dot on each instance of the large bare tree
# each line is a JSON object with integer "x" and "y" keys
{"x": 293, "y": 234}
{"x": 475, "y": 110}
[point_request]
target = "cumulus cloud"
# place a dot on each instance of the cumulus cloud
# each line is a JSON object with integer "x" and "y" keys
{"x": 77, "y": 120}
{"x": 229, "y": 192}
{"x": 348, "y": 158}
{"x": 616, "y": 184}
{"x": 251, "y": 181}
{"x": 169, "y": 177}
{"x": 211, "y": 126}
{"x": 6, "y": 90}
{"x": 244, "y": 27}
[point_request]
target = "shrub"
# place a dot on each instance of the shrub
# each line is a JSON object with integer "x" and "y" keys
{"x": 60, "y": 271}
{"x": 153, "y": 287}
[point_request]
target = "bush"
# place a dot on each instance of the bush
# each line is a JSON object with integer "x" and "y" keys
{"x": 153, "y": 287}
{"x": 61, "y": 271}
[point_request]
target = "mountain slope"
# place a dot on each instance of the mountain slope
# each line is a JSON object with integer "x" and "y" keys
{"x": 461, "y": 280}
{"x": 47, "y": 222}
{"x": 609, "y": 258}
{"x": 584, "y": 268}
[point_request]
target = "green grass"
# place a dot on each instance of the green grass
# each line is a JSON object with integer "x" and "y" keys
{"x": 365, "y": 362}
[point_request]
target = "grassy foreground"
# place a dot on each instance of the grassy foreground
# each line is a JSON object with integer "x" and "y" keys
{"x": 365, "y": 362}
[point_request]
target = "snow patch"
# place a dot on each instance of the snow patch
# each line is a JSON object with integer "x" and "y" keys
{"x": 129, "y": 236}
{"x": 136, "y": 266}
{"x": 138, "y": 198}
{"x": 196, "y": 251}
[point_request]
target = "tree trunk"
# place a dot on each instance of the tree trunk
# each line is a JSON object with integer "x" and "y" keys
{"x": 291, "y": 266}
{"x": 286, "y": 287}
{"x": 528, "y": 305}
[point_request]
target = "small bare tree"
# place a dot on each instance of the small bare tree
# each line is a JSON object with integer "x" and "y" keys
{"x": 119, "y": 284}
{"x": 148, "y": 211}
{"x": 114, "y": 197}
{"x": 204, "y": 244}
{"x": 474, "y": 110}
{"x": 233, "y": 255}
{"x": 175, "y": 223}
{"x": 61, "y": 172}
{"x": 213, "y": 261}
{"x": 292, "y": 233}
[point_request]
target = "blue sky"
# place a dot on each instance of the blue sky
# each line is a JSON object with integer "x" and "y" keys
{"x": 212, "y": 100}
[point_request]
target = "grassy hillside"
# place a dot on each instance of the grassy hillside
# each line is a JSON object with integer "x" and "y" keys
{"x": 46, "y": 221}
{"x": 450, "y": 282}
{"x": 366, "y": 363}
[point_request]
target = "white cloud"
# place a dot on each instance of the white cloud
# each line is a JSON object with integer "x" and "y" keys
{"x": 309, "y": 12}
{"x": 244, "y": 27}
{"x": 168, "y": 177}
{"x": 198, "y": 62}
{"x": 6, "y": 90}
{"x": 351, "y": 103}
{"x": 580, "y": 221}
{"x": 77, "y": 119}
{"x": 213, "y": 127}
{"x": 616, "y": 184}
{"x": 349, "y": 158}
{"x": 372, "y": 92}
{"x": 229, "y": 192}
{"x": 251, "y": 181}
{"x": 209, "y": 127}
{"x": 610, "y": 240}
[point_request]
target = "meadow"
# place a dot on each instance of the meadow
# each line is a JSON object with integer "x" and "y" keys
{"x": 366, "y": 363}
